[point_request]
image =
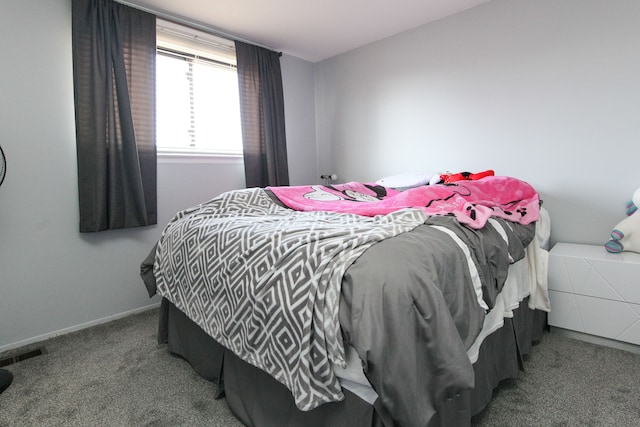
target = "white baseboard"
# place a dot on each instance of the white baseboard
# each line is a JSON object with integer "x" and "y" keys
{"x": 44, "y": 337}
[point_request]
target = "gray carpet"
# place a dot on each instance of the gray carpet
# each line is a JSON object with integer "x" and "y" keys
{"x": 116, "y": 375}
{"x": 567, "y": 382}
{"x": 110, "y": 375}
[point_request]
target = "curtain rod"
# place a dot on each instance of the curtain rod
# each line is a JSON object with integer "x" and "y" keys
{"x": 189, "y": 23}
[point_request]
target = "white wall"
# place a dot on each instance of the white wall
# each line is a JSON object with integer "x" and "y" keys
{"x": 52, "y": 278}
{"x": 544, "y": 90}
{"x": 299, "y": 112}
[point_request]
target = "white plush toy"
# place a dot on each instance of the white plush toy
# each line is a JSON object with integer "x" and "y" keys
{"x": 626, "y": 235}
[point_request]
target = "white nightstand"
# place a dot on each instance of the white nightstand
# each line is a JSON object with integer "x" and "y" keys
{"x": 594, "y": 292}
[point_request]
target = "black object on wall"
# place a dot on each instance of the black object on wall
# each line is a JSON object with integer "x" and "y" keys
{"x": 5, "y": 376}
{"x": 3, "y": 166}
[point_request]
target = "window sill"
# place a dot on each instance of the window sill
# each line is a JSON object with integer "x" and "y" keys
{"x": 200, "y": 158}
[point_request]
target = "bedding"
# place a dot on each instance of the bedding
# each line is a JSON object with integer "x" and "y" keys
{"x": 408, "y": 289}
{"x": 407, "y": 180}
{"x": 265, "y": 281}
{"x": 412, "y": 323}
{"x": 257, "y": 399}
{"x": 471, "y": 202}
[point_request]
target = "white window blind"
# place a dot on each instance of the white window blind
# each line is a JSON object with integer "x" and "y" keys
{"x": 197, "y": 103}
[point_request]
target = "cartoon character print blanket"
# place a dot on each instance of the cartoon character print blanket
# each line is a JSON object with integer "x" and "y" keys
{"x": 471, "y": 202}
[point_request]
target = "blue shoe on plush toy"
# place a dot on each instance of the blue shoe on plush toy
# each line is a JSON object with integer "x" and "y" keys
{"x": 617, "y": 235}
{"x": 631, "y": 208}
{"x": 614, "y": 246}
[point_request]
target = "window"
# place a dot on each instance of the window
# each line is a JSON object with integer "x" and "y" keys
{"x": 197, "y": 102}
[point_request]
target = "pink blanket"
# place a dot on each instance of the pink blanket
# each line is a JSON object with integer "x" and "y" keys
{"x": 472, "y": 202}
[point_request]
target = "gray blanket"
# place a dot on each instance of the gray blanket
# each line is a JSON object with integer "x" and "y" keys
{"x": 411, "y": 305}
{"x": 410, "y": 311}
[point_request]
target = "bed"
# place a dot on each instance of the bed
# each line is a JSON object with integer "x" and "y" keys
{"x": 355, "y": 304}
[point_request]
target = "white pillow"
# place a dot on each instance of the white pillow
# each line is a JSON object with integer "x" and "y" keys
{"x": 407, "y": 180}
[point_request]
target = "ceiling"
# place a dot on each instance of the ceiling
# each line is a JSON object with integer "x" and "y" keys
{"x": 310, "y": 30}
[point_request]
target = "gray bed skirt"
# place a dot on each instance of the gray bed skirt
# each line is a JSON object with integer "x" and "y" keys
{"x": 259, "y": 400}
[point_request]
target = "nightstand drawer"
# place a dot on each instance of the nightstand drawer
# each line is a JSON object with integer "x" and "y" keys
{"x": 591, "y": 271}
{"x": 595, "y": 316}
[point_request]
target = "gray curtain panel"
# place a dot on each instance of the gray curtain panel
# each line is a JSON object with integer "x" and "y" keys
{"x": 262, "y": 110}
{"x": 114, "y": 54}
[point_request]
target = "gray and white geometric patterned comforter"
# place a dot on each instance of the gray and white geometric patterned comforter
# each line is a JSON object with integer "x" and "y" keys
{"x": 265, "y": 281}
